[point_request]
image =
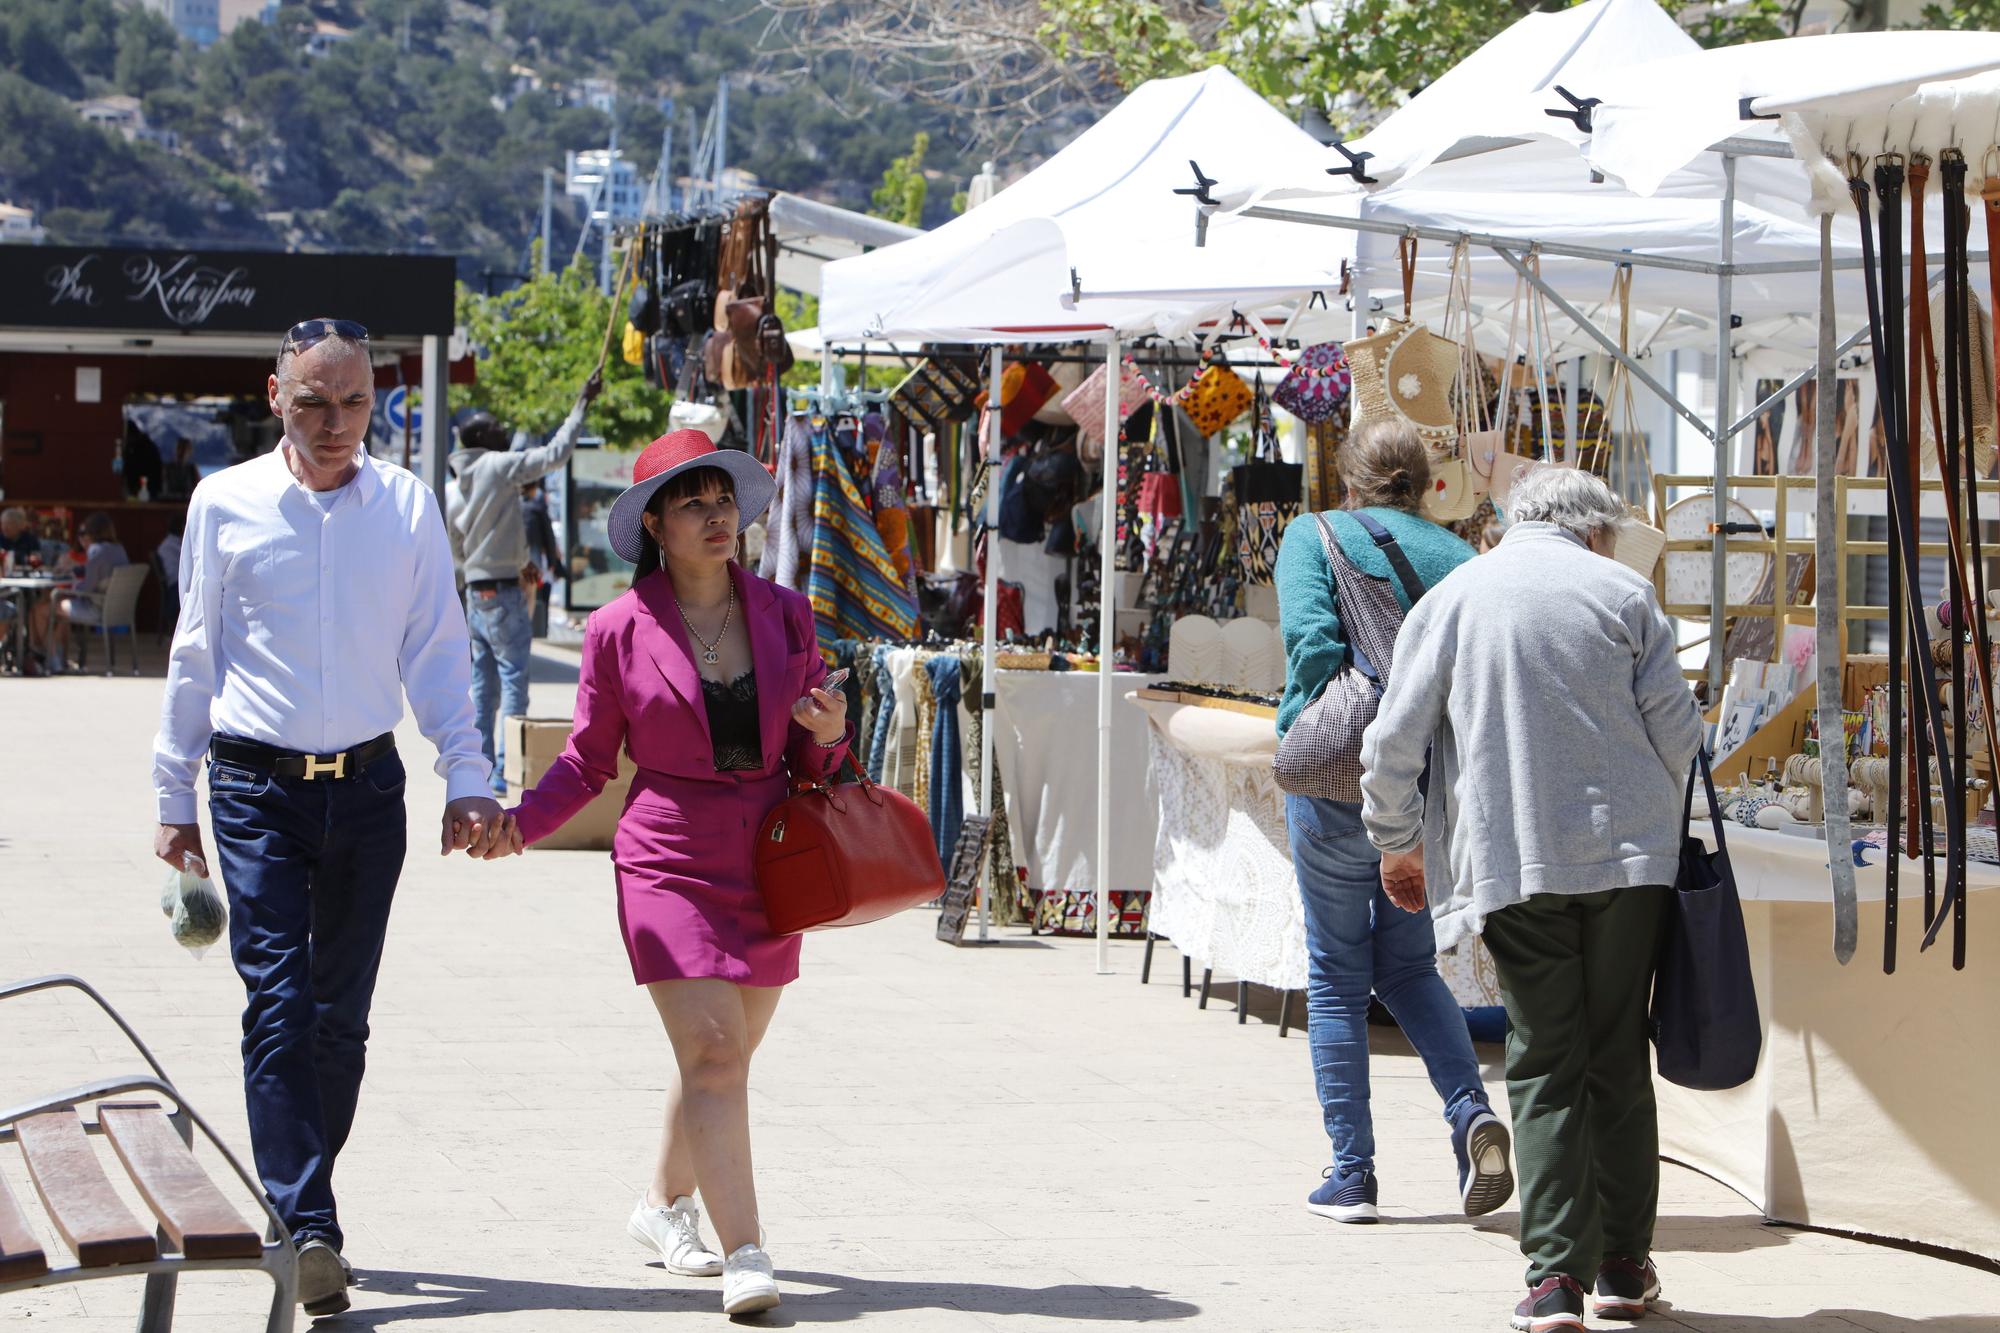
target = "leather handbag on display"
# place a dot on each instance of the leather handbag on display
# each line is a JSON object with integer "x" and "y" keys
{"x": 1706, "y": 1030}
{"x": 840, "y": 855}
{"x": 1320, "y": 754}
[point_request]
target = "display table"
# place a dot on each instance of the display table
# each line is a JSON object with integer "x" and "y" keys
{"x": 1223, "y": 887}
{"x": 1872, "y": 1108}
{"x": 1046, "y": 747}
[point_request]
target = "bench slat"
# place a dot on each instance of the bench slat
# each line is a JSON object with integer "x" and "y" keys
{"x": 20, "y": 1253}
{"x": 88, "y": 1214}
{"x": 194, "y": 1213}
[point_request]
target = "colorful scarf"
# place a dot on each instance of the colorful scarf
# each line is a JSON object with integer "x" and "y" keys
{"x": 856, "y": 590}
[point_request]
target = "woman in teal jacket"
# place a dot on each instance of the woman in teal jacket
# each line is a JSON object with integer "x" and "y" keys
{"x": 1360, "y": 942}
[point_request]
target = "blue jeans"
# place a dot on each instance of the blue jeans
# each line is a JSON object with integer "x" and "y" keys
{"x": 1359, "y": 942}
{"x": 503, "y": 641}
{"x": 310, "y": 869}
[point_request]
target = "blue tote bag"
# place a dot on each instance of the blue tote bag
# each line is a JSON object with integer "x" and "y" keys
{"x": 1707, "y": 1033}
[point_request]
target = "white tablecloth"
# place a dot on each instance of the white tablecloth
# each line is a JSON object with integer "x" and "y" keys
{"x": 1046, "y": 747}
{"x": 1223, "y": 886}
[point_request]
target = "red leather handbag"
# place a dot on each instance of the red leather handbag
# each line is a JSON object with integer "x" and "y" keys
{"x": 839, "y": 855}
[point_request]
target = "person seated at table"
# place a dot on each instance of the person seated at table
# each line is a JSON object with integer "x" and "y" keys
{"x": 17, "y": 534}
{"x": 82, "y": 604}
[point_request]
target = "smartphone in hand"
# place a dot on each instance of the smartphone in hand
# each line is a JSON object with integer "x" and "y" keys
{"x": 834, "y": 680}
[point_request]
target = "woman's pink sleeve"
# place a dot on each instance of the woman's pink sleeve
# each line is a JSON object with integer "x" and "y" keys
{"x": 590, "y": 760}
{"x": 806, "y": 757}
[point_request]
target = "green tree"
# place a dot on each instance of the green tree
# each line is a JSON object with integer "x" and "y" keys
{"x": 900, "y": 196}
{"x": 537, "y": 345}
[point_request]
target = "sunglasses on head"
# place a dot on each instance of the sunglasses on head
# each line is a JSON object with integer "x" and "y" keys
{"x": 310, "y": 333}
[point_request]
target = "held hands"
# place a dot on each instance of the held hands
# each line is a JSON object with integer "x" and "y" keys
{"x": 478, "y": 827}
{"x": 1403, "y": 879}
{"x": 823, "y": 713}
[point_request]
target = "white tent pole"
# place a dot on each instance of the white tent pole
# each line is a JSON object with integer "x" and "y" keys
{"x": 1107, "y": 575}
{"x": 1725, "y": 384}
{"x": 990, "y": 683}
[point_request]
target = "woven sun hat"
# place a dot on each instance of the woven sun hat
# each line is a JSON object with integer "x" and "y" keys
{"x": 668, "y": 457}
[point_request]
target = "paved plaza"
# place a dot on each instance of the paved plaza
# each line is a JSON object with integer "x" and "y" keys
{"x": 946, "y": 1138}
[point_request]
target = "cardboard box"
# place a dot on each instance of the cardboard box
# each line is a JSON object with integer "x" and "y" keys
{"x": 532, "y": 744}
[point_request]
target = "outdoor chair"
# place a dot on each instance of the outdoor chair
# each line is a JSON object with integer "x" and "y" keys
{"x": 119, "y": 603}
{"x": 198, "y": 1229}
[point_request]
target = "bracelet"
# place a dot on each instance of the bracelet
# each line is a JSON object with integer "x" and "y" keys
{"x": 828, "y": 745}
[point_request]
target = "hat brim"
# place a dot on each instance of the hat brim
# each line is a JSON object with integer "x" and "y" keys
{"x": 754, "y": 490}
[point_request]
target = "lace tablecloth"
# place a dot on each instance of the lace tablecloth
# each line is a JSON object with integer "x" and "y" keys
{"x": 1223, "y": 887}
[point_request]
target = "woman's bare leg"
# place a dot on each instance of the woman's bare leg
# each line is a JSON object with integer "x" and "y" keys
{"x": 674, "y": 1172}
{"x": 708, "y": 1023}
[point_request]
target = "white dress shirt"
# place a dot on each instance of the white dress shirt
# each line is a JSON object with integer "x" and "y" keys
{"x": 305, "y": 618}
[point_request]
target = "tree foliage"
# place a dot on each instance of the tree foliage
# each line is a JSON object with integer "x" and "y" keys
{"x": 538, "y": 343}
{"x": 900, "y": 196}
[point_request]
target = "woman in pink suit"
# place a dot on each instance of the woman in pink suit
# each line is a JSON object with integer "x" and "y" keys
{"x": 708, "y": 676}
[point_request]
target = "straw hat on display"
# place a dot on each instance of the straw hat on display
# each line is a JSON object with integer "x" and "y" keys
{"x": 668, "y": 457}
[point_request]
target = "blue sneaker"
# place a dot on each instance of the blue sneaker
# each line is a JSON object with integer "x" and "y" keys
{"x": 1481, "y": 1144}
{"x": 1345, "y": 1197}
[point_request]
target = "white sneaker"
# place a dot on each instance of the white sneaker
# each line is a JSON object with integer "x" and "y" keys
{"x": 675, "y": 1232}
{"x": 747, "y": 1283}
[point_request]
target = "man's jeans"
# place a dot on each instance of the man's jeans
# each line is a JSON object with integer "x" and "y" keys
{"x": 502, "y": 644}
{"x": 1359, "y": 942}
{"x": 310, "y": 868}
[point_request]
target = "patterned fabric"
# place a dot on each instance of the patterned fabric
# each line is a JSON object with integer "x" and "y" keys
{"x": 1323, "y": 441}
{"x": 856, "y": 590}
{"x": 926, "y": 722}
{"x": 882, "y": 719}
{"x": 947, "y": 803}
{"x": 1003, "y": 887}
{"x": 1074, "y": 912}
{"x": 789, "y": 524}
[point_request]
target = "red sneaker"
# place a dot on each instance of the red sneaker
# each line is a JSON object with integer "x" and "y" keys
{"x": 1553, "y": 1304}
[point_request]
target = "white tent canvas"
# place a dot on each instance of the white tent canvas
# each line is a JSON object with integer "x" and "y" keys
{"x": 1103, "y": 205}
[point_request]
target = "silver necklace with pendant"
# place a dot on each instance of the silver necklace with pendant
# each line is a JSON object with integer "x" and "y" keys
{"x": 709, "y": 653}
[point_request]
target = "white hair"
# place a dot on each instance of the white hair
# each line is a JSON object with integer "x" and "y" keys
{"x": 1575, "y": 501}
{"x": 13, "y": 514}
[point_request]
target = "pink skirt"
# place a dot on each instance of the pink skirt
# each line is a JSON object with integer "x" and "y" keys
{"x": 687, "y": 887}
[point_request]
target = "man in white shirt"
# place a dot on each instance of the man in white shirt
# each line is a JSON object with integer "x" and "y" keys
{"x": 317, "y": 591}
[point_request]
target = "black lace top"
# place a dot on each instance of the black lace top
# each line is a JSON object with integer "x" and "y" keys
{"x": 732, "y": 723}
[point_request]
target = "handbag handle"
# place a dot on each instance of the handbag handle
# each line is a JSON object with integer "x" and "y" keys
{"x": 1700, "y": 766}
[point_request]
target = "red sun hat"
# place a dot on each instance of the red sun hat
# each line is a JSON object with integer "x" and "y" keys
{"x": 668, "y": 457}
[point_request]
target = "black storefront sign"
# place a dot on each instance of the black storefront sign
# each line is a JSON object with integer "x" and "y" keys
{"x": 221, "y": 291}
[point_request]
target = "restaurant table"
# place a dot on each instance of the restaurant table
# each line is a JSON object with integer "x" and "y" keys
{"x": 32, "y": 588}
{"x": 1872, "y": 1106}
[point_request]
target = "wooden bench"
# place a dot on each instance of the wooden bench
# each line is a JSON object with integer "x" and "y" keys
{"x": 195, "y": 1227}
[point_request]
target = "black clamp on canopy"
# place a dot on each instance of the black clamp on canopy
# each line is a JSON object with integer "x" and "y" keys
{"x": 1199, "y": 190}
{"x": 1580, "y": 108}
{"x": 1356, "y": 164}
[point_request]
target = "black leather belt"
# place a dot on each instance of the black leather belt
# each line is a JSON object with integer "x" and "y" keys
{"x": 489, "y": 585}
{"x": 261, "y": 758}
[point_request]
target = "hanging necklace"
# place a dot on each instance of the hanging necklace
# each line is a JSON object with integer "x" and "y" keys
{"x": 708, "y": 650}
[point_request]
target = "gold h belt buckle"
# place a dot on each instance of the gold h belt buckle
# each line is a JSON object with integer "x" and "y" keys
{"x": 318, "y": 766}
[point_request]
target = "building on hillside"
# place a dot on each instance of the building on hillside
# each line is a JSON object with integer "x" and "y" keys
{"x": 234, "y": 12}
{"x": 325, "y": 36}
{"x": 199, "y": 21}
{"x": 17, "y": 226}
{"x": 124, "y": 115}
{"x": 621, "y": 200}
{"x": 597, "y": 94}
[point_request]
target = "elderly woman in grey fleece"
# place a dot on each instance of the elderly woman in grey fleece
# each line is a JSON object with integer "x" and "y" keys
{"x": 1542, "y": 683}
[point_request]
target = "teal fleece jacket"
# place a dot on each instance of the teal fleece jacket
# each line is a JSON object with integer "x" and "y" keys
{"x": 1308, "y": 616}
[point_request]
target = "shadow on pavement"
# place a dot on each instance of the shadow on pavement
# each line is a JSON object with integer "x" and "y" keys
{"x": 1819, "y": 1321}
{"x": 455, "y": 1296}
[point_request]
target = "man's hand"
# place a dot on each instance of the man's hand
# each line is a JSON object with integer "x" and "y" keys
{"x": 506, "y": 840}
{"x": 1403, "y": 879}
{"x": 174, "y": 839}
{"x": 471, "y": 824}
{"x": 593, "y": 386}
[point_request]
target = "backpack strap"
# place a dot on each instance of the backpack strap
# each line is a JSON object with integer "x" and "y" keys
{"x": 1406, "y": 574}
{"x": 1335, "y": 557}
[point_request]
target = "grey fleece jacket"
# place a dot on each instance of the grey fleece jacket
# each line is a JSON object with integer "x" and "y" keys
{"x": 1547, "y": 678}
{"x": 489, "y": 538}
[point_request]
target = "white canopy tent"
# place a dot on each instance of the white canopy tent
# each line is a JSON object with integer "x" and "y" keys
{"x": 811, "y": 235}
{"x": 1001, "y": 273}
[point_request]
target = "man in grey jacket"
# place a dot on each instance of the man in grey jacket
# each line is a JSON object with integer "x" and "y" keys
{"x": 1543, "y": 683}
{"x": 489, "y": 540}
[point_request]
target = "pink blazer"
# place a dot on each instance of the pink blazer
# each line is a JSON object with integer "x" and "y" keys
{"x": 639, "y": 688}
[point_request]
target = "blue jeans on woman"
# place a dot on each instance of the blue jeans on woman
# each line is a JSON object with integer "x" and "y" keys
{"x": 1361, "y": 943}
